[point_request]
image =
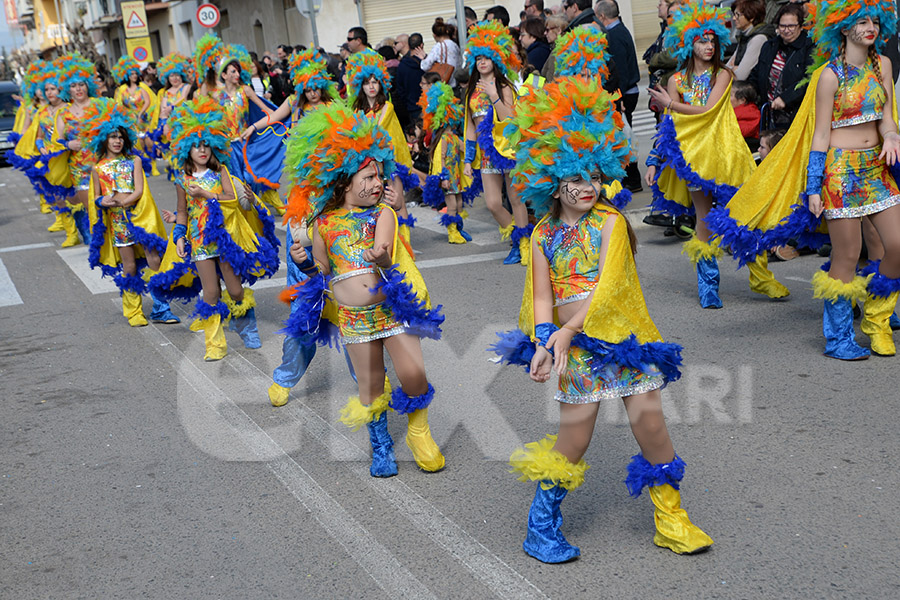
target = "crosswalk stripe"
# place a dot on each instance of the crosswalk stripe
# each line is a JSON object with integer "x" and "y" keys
{"x": 9, "y": 296}
{"x": 77, "y": 260}
{"x": 483, "y": 234}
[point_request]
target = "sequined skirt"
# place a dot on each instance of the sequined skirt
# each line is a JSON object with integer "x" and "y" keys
{"x": 359, "y": 324}
{"x": 857, "y": 184}
{"x": 578, "y": 385}
{"x": 489, "y": 168}
{"x": 118, "y": 218}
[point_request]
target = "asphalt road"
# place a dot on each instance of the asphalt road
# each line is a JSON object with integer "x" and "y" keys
{"x": 129, "y": 468}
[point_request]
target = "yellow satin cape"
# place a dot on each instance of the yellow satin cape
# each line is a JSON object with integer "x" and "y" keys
{"x": 437, "y": 166}
{"x": 618, "y": 308}
{"x": 713, "y": 147}
{"x": 401, "y": 149}
{"x": 144, "y": 214}
{"x": 58, "y": 166}
{"x": 19, "y": 122}
{"x": 152, "y": 111}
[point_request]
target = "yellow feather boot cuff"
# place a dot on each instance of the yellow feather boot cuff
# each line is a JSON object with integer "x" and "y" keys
{"x": 697, "y": 250}
{"x": 355, "y": 414}
{"x": 827, "y": 288}
{"x": 239, "y": 309}
{"x": 538, "y": 461}
{"x": 505, "y": 232}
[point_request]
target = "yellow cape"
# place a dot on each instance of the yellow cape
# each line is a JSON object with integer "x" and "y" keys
{"x": 713, "y": 148}
{"x": 144, "y": 214}
{"x": 19, "y": 123}
{"x": 401, "y": 149}
{"x": 152, "y": 109}
{"x": 617, "y": 309}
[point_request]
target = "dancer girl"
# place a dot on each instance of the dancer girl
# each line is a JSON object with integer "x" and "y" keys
{"x": 23, "y": 152}
{"x": 847, "y": 127}
{"x": 207, "y": 54}
{"x": 214, "y": 234}
{"x": 339, "y": 159}
{"x": 583, "y": 315}
{"x": 175, "y": 71}
{"x": 368, "y": 84}
{"x": 489, "y": 101}
{"x": 442, "y": 117}
{"x": 137, "y": 97}
{"x": 700, "y": 154}
{"x": 127, "y": 231}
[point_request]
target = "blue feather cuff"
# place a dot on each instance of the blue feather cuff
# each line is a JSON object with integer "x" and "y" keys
{"x": 404, "y": 404}
{"x": 642, "y": 474}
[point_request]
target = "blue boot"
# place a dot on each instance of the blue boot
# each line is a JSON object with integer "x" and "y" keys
{"x": 894, "y": 321}
{"x": 708, "y": 283}
{"x": 840, "y": 337}
{"x": 161, "y": 312}
{"x": 383, "y": 462}
{"x": 545, "y": 541}
{"x": 514, "y": 257}
{"x": 243, "y": 318}
{"x": 83, "y": 224}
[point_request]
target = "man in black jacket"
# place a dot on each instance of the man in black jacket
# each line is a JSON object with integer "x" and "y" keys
{"x": 579, "y": 12}
{"x": 407, "y": 88}
{"x": 782, "y": 64}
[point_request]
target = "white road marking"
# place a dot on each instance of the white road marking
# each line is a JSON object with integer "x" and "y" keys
{"x": 9, "y": 296}
{"x": 461, "y": 260}
{"x": 375, "y": 559}
{"x": 77, "y": 260}
{"x": 483, "y": 234}
{"x": 800, "y": 279}
{"x": 26, "y": 247}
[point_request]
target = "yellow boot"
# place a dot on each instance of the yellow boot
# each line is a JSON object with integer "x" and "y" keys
{"x": 210, "y": 322}
{"x": 57, "y": 224}
{"x": 154, "y": 170}
{"x": 762, "y": 281}
{"x": 876, "y": 323}
{"x": 278, "y": 395}
{"x": 505, "y": 232}
{"x": 453, "y": 235}
{"x": 45, "y": 208}
{"x": 133, "y": 309}
{"x": 72, "y": 237}
{"x": 418, "y": 437}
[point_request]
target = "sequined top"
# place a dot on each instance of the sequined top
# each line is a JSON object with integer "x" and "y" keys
{"x": 479, "y": 104}
{"x": 573, "y": 253}
{"x": 198, "y": 211}
{"x": 701, "y": 87}
{"x": 347, "y": 233}
{"x": 116, "y": 174}
{"x": 83, "y": 158}
{"x": 46, "y": 124}
{"x": 235, "y": 108}
{"x": 136, "y": 99}
{"x": 860, "y": 97}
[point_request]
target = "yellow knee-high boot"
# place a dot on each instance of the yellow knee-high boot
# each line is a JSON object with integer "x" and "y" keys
{"x": 57, "y": 224}
{"x": 72, "y": 237}
{"x": 425, "y": 451}
{"x": 45, "y": 208}
{"x": 880, "y": 304}
{"x": 762, "y": 281}
{"x": 133, "y": 309}
{"x": 210, "y": 322}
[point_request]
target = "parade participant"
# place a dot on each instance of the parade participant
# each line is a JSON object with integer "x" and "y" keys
{"x": 32, "y": 100}
{"x": 214, "y": 232}
{"x": 847, "y": 127}
{"x": 489, "y": 101}
{"x": 583, "y": 315}
{"x": 207, "y": 54}
{"x": 442, "y": 117}
{"x": 137, "y": 97}
{"x": 260, "y": 165}
{"x": 368, "y": 84}
{"x": 700, "y": 153}
{"x": 127, "y": 231}
{"x": 78, "y": 88}
{"x": 176, "y": 73}
{"x": 339, "y": 160}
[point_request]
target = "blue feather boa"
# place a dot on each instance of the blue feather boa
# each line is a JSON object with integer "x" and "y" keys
{"x": 642, "y": 474}
{"x": 406, "y": 306}
{"x": 485, "y": 132}
{"x": 130, "y": 283}
{"x": 404, "y": 404}
{"x": 205, "y": 310}
{"x": 409, "y": 221}
{"x": 249, "y": 266}
{"x": 448, "y": 220}
{"x": 433, "y": 193}
{"x": 473, "y": 191}
{"x": 409, "y": 180}
{"x": 519, "y": 233}
{"x": 307, "y": 304}
{"x": 800, "y": 225}
{"x": 880, "y": 286}
{"x": 621, "y": 200}
{"x": 162, "y": 285}
{"x": 514, "y": 348}
{"x": 745, "y": 243}
{"x": 662, "y": 204}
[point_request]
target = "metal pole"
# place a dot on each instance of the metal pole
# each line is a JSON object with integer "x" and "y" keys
{"x": 461, "y": 25}
{"x": 59, "y": 25}
{"x": 359, "y": 12}
{"x": 310, "y": 4}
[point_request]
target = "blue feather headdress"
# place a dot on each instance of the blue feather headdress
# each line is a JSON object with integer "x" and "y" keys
{"x": 691, "y": 21}
{"x": 110, "y": 117}
{"x": 197, "y": 121}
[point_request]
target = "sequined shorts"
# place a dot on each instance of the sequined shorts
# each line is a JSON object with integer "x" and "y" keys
{"x": 199, "y": 250}
{"x": 489, "y": 168}
{"x": 81, "y": 176}
{"x": 857, "y": 184}
{"x": 122, "y": 236}
{"x": 578, "y": 385}
{"x": 360, "y": 324}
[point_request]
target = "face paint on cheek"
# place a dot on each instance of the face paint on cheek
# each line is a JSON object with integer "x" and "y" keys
{"x": 570, "y": 194}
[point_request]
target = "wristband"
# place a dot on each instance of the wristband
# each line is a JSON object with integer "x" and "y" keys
{"x": 652, "y": 158}
{"x": 309, "y": 263}
{"x": 815, "y": 171}
{"x": 495, "y": 101}
{"x": 471, "y": 150}
{"x": 39, "y": 144}
{"x": 179, "y": 232}
{"x": 98, "y": 201}
{"x": 543, "y": 331}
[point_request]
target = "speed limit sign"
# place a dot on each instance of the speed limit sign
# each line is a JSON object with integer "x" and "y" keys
{"x": 208, "y": 15}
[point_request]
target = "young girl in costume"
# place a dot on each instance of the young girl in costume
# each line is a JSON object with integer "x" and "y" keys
{"x": 207, "y": 54}
{"x": 442, "y": 118}
{"x": 238, "y": 100}
{"x": 368, "y": 84}
{"x": 127, "y": 231}
{"x": 312, "y": 87}
{"x": 489, "y": 101}
{"x": 214, "y": 234}
{"x": 175, "y": 71}
{"x": 583, "y": 315}
{"x": 847, "y": 126}
{"x": 700, "y": 156}
{"x": 32, "y": 100}
{"x": 340, "y": 160}
{"x": 77, "y": 86}
{"x": 137, "y": 97}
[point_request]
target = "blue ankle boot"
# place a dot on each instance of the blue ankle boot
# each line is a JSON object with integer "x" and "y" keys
{"x": 545, "y": 541}
{"x": 161, "y": 312}
{"x": 840, "y": 337}
{"x": 894, "y": 321}
{"x": 383, "y": 462}
{"x": 708, "y": 283}
{"x": 246, "y": 327}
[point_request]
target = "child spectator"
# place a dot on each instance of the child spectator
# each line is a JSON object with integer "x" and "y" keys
{"x": 743, "y": 99}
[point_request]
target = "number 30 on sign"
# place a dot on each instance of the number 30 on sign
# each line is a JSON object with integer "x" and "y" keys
{"x": 208, "y": 15}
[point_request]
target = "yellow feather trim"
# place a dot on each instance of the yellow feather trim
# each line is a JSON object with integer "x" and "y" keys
{"x": 697, "y": 250}
{"x": 355, "y": 414}
{"x": 505, "y": 232}
{"x": 828, "y": 288}
{"x": 239, "y": 310}
{"x": 538, "y": 461}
